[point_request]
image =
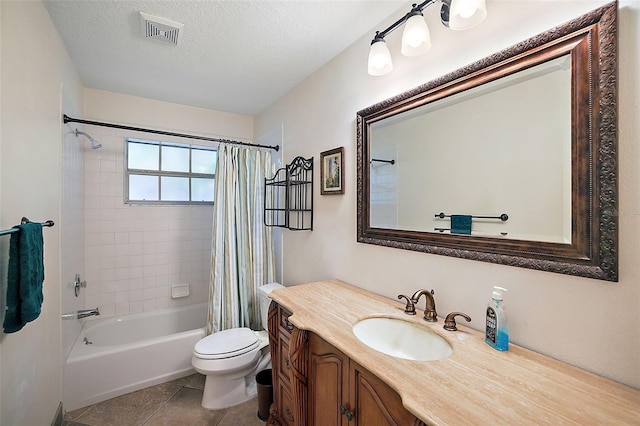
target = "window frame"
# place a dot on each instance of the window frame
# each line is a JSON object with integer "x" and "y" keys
{"x": 162, "y": 173}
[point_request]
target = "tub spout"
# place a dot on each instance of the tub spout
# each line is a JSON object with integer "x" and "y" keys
{"x": 83, "y": 313}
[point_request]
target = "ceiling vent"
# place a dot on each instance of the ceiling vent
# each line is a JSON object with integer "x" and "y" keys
{"x": 160, "y": 28}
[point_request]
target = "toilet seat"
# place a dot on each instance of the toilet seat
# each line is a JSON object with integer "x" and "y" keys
{"x": 227, "y": 344}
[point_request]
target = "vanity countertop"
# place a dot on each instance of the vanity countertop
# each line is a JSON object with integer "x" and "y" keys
{"x": 476, "y": 384}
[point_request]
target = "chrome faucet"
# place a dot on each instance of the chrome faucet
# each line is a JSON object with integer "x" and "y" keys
{"x": 430, "y": 313}
{"x": 83, "y": 313}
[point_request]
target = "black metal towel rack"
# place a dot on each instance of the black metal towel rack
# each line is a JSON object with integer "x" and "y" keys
{"x": 289, "y": 196}
{"x": 24, "y": 220}
{"x": 382, "y": 161}
{"x": 503, "y": 217}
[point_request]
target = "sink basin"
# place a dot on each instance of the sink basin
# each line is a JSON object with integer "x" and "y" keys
{"x": 401, "y": 339}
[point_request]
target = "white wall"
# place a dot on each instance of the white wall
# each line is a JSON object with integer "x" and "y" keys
{"x": 37, "y": 79}
{"x": 134, "y": 253}
{"x": 589, "y": 323}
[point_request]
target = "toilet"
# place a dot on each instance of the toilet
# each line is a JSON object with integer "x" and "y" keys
{"x": 230, "y": 359}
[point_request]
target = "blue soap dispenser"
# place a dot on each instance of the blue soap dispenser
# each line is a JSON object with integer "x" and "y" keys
{"x": 496, "y": 332}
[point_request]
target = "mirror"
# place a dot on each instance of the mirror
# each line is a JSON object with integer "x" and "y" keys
{"x": 509, "y": 160}
{"x": 492, "y": 143}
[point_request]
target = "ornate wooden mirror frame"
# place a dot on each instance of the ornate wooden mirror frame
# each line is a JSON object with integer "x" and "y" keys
{"x": 593, "y": 252}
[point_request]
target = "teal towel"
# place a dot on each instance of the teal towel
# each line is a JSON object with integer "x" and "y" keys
{"x": 461, "y": 224}
{"x": 24, "y": 278}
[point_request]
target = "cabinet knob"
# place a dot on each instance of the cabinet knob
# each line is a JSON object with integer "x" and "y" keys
{"x": 286, "y": 362}
{"x": 288, "y": 324}
{"x": 287, "y": 413}
{"x": 345, "y": 411}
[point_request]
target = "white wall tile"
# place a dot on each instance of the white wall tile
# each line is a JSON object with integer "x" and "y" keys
{"x": 136, "y": 284}
{"x": 136, "y": 307}
{"x": 134, "y": 253}
{"x": 122, "y": 308}
{"x": 150, "y": 305}
{"x": 107, "y": 310}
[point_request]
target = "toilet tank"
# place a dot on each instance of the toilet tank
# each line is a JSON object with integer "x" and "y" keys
{"x": 265, "y": 301}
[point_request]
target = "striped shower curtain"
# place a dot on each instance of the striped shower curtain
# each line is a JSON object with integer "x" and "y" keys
{"x": 242, "y": 250}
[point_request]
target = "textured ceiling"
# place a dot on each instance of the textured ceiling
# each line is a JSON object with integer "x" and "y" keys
{"x": 233, "y": 56}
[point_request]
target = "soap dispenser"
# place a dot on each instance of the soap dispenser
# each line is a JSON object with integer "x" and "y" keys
{"x": 496, "y": 332}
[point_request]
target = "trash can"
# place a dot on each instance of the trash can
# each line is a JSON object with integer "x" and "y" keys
{"x": 264, "y": 382}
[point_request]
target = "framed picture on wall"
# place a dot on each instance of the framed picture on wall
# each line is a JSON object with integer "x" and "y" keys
{"x": 331, "y": 172}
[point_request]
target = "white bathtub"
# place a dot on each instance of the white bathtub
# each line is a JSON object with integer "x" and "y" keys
{"x": 131, "y": 352}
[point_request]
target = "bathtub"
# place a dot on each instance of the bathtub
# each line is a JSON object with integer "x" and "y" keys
{"x": 131, "y": 352}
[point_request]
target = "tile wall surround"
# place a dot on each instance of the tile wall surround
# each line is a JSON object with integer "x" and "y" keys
{"x": 134, "y": 253}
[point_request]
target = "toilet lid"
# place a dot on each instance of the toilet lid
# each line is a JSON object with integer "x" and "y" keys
{"x": 227, "y": 343}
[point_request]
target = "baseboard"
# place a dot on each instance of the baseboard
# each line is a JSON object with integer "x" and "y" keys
{"x": 57, "y": 420}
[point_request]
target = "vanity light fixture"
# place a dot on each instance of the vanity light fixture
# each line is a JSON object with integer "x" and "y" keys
{"x": 416, "y": 40}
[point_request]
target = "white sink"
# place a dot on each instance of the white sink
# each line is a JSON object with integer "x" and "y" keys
{"x": 402, "y": 339}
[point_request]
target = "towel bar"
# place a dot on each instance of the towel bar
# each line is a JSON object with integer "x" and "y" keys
{"x": 22, "y": 222}
{"x": 503, "y": 217}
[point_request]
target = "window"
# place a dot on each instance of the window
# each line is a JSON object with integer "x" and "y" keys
{"x": 168, "y": 173}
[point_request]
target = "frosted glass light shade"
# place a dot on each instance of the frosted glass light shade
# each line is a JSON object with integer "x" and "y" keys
{"x": 379, "y": 59}
{"x": 464, "y": 14}
{"x": 416, "y": 39}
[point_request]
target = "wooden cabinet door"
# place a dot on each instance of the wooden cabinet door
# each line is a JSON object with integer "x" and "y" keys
{"x": 374, "y": 403}
{"x": 328, "y": 383}
{"x": 282, "y": 411}
{"x": 337, "y": 391}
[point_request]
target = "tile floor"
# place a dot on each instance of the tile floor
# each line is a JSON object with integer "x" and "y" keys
{"x": 173, "y": 403}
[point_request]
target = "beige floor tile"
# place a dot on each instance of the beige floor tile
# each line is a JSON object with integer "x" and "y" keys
{"x": 72, "y": 415}
{"x": 131, "y": 409}
{"x": 175, "y": 403}
{"x": 244, "y": 414}
{"x": 196, "y": 381}
{"x": 185, "y": 409}
{"x": 180, "y": 382}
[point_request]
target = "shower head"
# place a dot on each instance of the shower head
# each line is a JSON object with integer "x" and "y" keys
{"x": 94, "y": 143}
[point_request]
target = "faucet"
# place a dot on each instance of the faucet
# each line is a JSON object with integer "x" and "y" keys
{"x": 450, "y": 321}
{"x": 83, "y": 313}
{"x": 410, "y": 309}
{"x": 430, "y": 313}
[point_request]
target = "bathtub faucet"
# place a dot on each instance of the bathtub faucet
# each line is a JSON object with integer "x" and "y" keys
{"x": 83, "y": 313}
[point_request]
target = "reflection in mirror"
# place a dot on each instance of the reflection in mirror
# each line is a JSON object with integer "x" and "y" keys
{"x": 475, "y": 153}
{"x": 509, "y": 160}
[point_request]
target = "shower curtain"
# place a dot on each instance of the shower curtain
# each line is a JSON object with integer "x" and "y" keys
{"x": 242, "y": 250}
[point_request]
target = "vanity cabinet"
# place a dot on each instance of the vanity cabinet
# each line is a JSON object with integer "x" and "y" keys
{"x": 325, "y": 367}
{"x": 315, "y": 384}
{"x": 341, "y": 392}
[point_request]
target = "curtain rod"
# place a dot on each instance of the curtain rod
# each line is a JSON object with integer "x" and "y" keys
{"x": 67, "y": 119}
